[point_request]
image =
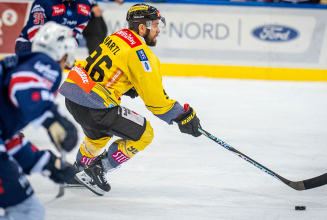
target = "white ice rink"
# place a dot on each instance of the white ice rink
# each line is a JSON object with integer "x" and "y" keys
{"x": 282, "y": 125}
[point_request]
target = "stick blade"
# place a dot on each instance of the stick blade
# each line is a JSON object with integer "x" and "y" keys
{"x": 315, "y": 182}
{"x": 307, "y": 184}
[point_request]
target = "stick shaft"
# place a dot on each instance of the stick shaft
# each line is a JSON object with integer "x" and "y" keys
{"x": 241, "y": 155}
{"x": 61, "y": 191}
{"x": 298, "y": 185}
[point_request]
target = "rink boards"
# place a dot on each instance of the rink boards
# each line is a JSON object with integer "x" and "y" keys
{"x": 230, "y": 40}
{"x": 238, "y": 41}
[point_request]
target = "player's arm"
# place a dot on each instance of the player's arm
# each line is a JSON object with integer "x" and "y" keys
{"x": 34, "y": 161}
{"x": 150, "y": 89}
{"x": 34, "y": 96}
{"x": 29, "y": 93}
{"x": 85, "y": 15}
{"x": 8, "y": 63}
{"x": 79, "y": 29}
{"x": 149, "y": 86}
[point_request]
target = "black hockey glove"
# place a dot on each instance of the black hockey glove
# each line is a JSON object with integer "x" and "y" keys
{"x": 61, "y": 131}
{"x": 131, "y": 93}
{"x": 188, "y": 122}
{"x": 57, "y": 171}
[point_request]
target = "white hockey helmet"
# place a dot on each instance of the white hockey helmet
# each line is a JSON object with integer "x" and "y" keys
{"x": 56, "y": 41}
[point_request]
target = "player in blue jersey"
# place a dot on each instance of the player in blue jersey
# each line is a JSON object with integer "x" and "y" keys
{"x": 70, "y": 13}
{"x": 28, "y": 87}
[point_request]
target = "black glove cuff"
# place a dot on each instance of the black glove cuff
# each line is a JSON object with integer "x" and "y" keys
{"x": 48, "y": 122}
{"x": 59, "y": 175}
{"x": 131, "y": 93}
{"x": 51, "y": 164}
{"x": 188, "y": 122}
{"x": 184, "y": 116}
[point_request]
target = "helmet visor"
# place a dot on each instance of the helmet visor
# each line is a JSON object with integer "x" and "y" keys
{"x": 156, "y": 25}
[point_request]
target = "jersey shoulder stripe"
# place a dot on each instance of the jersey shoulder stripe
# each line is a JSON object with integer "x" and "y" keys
{"x": 81, "y": 78}
{"x": 24, "y": 80}
{"x": 129, "y": 37}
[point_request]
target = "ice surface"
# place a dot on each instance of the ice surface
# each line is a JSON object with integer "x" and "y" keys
{"x": 282, "y": 125}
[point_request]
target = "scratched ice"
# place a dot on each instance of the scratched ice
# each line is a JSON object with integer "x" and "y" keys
{"x": 281, "y": 125}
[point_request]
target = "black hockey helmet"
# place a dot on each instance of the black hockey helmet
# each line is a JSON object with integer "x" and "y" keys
{"x": 143, "y": 14}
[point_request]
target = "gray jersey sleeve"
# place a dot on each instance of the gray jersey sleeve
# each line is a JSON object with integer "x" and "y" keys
{"x": 173, "y": 113}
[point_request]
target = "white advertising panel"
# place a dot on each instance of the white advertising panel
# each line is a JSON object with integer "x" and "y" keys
{"x": 236, "y": 35}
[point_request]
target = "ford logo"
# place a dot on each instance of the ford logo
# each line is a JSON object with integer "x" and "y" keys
{"x": 275, "y": 33}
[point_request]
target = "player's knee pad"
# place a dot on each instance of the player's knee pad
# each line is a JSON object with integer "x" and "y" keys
{"x": 90, "y": 149}
{"x": 127, "y": 124}
{"x": 145, "y": 139}
{"x": 147, "y": 136}
{"x": 130, "y": 148}
{"x": 29, "y": 209}
{"x": 122, "y": 150}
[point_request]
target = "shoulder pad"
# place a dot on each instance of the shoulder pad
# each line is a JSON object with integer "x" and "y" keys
{"x": 129, "y": 37}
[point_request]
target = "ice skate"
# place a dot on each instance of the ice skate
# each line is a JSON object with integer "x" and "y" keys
{"x": 94, "y": 176}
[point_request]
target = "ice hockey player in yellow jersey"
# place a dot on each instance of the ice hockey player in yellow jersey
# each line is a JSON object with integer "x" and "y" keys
{"x": 122, "y": 65}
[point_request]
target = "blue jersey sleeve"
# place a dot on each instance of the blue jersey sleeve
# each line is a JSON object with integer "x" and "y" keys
{"x": 84, "y": 14}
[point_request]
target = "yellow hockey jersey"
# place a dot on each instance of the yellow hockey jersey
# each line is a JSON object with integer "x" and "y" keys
{"x": 121, "y": 62}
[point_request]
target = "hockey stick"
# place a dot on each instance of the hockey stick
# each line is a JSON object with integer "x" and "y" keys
{"x": 61, "y": 191}
{"x": 298, "y": 185}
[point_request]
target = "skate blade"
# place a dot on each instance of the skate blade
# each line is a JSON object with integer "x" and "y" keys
{"x": 73, "y": 185}
{"x": 82, "y": 178}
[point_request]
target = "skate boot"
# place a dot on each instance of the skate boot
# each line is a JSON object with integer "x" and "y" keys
{"x": 94, "y": 175}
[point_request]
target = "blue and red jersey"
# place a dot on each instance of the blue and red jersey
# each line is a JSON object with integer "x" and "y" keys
{"x": 73, "y": 14}
{"x": 28, "y": 86}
